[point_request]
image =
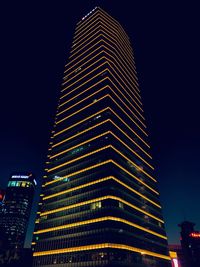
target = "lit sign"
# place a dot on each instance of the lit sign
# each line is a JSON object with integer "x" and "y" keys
{"x": 89, "y": 13}
{"x": 35, "y": 182}
{"x": 20, "y": 176}
{"x": 60, "y": 177}
{"x": 175, "y": 263}
{"x": 195, "y": 235}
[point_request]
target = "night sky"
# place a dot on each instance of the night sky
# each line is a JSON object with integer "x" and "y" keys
{"x": 35, "y": 42}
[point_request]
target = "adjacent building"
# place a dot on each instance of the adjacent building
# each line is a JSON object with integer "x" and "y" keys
{"x": 100, "y": 203}
{"x": 190, "y": 243}
{"x": 16, "y": 209}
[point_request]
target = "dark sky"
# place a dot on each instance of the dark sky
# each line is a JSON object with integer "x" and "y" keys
{"x": 35, "y": 41}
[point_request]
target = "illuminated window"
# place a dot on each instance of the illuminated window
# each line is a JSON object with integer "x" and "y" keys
{"x": 23, "y": 184}
{"x": 13, "y": 183}
{"x": 96, "y": 205}
{"x": 121, "y": 205}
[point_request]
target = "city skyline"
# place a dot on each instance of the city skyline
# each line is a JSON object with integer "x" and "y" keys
{"x": 169, "y": 153}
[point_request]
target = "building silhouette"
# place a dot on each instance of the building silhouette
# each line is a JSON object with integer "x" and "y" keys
{"x": 190, "y": 243}
{"x": 99, "y": 202}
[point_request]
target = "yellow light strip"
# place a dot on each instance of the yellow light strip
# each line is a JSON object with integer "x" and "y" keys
{"x": 77, "y": 187}
{"x": 101, "y": 81}
{"x": 131, "y": 139}
{"x": 101, "y": 219}
{"x": 129, "y": 128}
{"x": 96, "y": 166}
{"x": 81, "y": 109}
{"x": 103, "y": 34}
{"x": 88, "y": 129}
{"x": 132, "y": 65}
{"x": 88, "y": 67}
{"x": 80, "y": 144}
{"x": 80, "y": 171}
{"x": 84, "y": 131}
{"x": 88, "y": 36}
{"x": 98, "y": 100}
{"x": 96, "y": 55}
{"x": 100, "y": 199}
{"x": 116, "y": 87}
{"x": 108, "y": 87}
{"x": 135, "y": 165}
{"x": 136, "y": 178}
{"x": 93, "y": 70}
{"x": 78, "y": 33}
{"x": 101, "y": 246}
{"x": 107, "y": 62}
{"x": 81, "y": 157}
{"x": 98, "y": 74}
{"x": 99, "y": 150}
{"x": 87, "y": 97}
{"x": 79, "y": 122}
{"x": 135, "y": 154}
{"x": 110, "y": 62}
{"x": 98, "y": 136}
{"x": 93, "y": 50}
{"x": 106, "y": 69}
{"x": 67, "y": 101}
{"x": 99, "y": 181}
{"x": 116, "y": 31}
{"x": 120, "y": 59}
{"x": 119, "y": 28}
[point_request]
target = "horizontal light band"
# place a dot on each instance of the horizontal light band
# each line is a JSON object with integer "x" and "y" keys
{"x": 80, "y": 144}
{"x": 98, "y": 100}
{"x": 106, "y": 69}
{"x": 100, "y": 199}
{"x": 101, "y": 246}
{"x": 99, "y": 181}
{"x": 86, "y": 52}
{"x": 107, "y": 86}
{"x": 87, "y": 74}
{"x": 101, "y": 219}
{"x": 115, "y": 36}
{"x": 98, "y": 136}
{"x": 136, "y": 178}
{"x": 103, "y": 47}
{"x": 105, "y": 35}
{"x": 88, "y": 129}
{"x": 105, "y": 17}
{"x": 135, "y": 165}
{"x": 99, "y": 150}
{"x": 117, "y": 33}
{"x": 78, "y": 172}
{"x": 76, "y": 159}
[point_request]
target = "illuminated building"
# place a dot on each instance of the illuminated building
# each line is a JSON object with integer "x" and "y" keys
{"x": 190, "y": 243}
{"x": 16, "y": 208}
{"x": 99, "y": 202}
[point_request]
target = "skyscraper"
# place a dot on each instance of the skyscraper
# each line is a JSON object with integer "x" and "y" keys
{"x": 99, "y": 202}
{"x": 16, "y": 208}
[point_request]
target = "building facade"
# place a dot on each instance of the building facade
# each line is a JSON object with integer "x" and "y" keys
{"x": 190, "y": 243}
{"x": 99, "y": 203}
{"x": 16, "y": 209}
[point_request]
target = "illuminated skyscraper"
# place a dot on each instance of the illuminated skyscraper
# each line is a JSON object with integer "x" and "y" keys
{"x": 16, "y": 208}
{"x": 99, "y": 203}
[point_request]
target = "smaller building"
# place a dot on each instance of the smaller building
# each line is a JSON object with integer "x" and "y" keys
{"x": 16, "y": 208}
{"x": 190, "y": 243}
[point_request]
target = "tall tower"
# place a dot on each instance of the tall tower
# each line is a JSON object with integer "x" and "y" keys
{"x": 99, "y": 203}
